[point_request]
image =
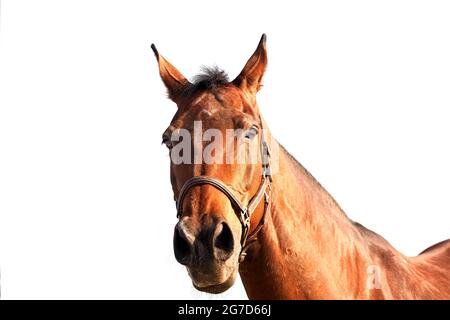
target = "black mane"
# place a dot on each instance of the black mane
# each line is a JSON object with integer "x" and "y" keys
{"x": 210, "y": 78}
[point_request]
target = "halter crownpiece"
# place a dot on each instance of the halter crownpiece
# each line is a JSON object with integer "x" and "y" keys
{"x": 243, "y": 212}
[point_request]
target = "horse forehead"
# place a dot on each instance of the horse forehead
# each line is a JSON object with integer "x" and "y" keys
{"x": 226, "y": 96}
{"x": 216, "y": 118}
{"x": 212, "y": 108}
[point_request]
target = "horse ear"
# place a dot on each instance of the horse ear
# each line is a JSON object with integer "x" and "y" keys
{"x": 174, "y": 81}
{"x": 250, "y": 77}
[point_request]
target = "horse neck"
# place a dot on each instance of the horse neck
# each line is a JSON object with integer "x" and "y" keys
{"x": 308, "y": 248}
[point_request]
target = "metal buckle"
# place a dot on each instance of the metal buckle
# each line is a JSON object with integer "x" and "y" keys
{"x": 245, "y": 218}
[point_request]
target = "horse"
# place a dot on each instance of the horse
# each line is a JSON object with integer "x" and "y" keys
{"x": 282, "y": 231}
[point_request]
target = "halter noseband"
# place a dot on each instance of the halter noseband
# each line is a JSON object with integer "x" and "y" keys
{"x": 243, "y": 212}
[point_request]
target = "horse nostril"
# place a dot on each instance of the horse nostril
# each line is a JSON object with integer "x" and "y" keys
{"x": 181, "y": 246}
{"x": 223, "y": 241}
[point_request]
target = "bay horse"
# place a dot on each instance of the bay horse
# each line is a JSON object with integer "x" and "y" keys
{"x": 284, "y": 234}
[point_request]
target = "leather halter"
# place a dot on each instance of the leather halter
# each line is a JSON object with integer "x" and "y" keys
{"x": 243, "y": 212}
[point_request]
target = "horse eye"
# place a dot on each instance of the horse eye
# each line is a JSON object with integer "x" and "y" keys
{"x": 251, "y": 133}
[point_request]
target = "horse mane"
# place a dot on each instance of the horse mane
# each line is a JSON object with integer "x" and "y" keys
{"x": 210, "y": 78}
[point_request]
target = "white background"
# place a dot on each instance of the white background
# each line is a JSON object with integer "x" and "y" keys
{"x": 357, "y": 91}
